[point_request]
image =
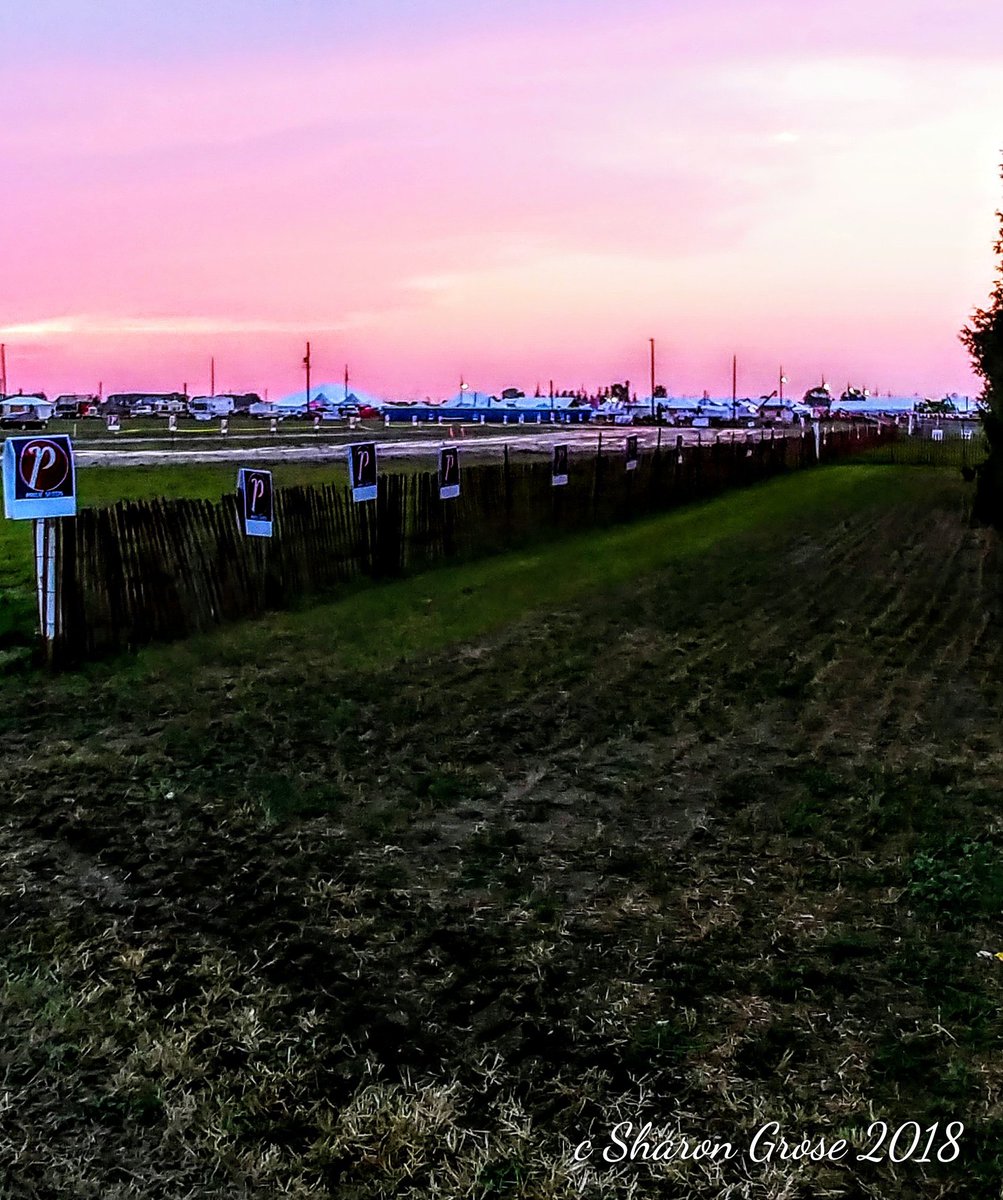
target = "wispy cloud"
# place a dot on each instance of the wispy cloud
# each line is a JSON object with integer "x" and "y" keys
{"x": 46, "y": 327}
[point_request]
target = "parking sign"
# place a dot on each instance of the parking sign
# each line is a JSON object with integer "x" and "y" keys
{"x": 362, "y": 470}
{"x": 39, "y": 478}
{"x": 449, "y": 473}
{"x": 257, "y": 504}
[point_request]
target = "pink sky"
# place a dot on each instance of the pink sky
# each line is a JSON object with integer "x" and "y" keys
{"x": 512, "y": 192}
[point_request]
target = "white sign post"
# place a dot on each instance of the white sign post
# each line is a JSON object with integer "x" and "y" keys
{"x": 45, "y": 577}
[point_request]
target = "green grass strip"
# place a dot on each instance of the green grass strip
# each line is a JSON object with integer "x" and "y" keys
{"x": 374, "y": 625}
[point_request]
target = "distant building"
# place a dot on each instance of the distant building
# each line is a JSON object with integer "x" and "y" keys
{"x": 818, "y": 400}
{"x": 780, "y": 411}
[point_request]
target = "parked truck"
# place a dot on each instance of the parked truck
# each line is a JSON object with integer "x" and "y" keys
{"x": 72, "y": 405}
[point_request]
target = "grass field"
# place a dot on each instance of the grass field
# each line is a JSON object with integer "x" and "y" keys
{"x": 694, "y": 822}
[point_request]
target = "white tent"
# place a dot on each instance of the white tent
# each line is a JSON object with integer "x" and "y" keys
{"x": 327, "y": 396}
{"x": 471, "y": 398}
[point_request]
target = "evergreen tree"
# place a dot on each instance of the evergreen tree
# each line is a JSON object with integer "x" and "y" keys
{"x": 984, "y": 339}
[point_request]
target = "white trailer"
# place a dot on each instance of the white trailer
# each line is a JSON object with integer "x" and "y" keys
{"x": 25, "y": 413}
{"x": 205, "y": 408}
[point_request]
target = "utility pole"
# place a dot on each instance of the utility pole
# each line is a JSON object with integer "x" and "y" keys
{"x": 652, "y": 341}
{"x": 734, "y": 388}
{"x": 212, "y": 377}
{"x": 306, "y": 363}
{"x": 346, "y": 383}
{"x": 3, "y": 370}
{"x": 783, "y": 380}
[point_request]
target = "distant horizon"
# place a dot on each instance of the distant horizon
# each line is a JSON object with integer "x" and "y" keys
{"x": 510, "y": 194}
{"x": 334, "y": 388}
{"x": 971, "y": 387}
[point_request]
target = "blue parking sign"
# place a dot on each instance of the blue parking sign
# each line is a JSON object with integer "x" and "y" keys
{"x": 362, "y": 470}
{"x": 257, "y": 504}
{"x": 449, "y": 473}
{"x": 39, "y": 477}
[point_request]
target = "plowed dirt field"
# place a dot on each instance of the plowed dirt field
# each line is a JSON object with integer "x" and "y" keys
{"x": 714, "y": 848}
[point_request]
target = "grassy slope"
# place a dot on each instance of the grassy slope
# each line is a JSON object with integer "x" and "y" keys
{"x": 694, "y": 819}
{"x": 422, "y": 614}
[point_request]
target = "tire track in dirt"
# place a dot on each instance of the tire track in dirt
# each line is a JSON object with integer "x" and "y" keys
{"x": 940, "y": 663}
{"x": 844, "y": 666}
{"x": 763, "y": 636}
{"x": 855, "y": 696}
{"x": 756, "y": 636}
{"x": 880, "y": 708}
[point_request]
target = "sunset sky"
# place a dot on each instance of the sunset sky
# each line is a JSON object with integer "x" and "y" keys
{"x": 513, "y": 192}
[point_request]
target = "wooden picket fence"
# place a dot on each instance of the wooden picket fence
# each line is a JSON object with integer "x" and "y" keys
{"x": 144, "y": 571}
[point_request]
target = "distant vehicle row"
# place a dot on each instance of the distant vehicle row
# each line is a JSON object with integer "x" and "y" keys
{"x": 35, "y": 410}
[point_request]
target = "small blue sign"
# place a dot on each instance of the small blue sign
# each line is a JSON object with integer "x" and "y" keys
{"x": 257, "y": 503}
{"x": 39, "y": 478}
{"x": 362, "y": 470}
{"x": 449, "y": 473}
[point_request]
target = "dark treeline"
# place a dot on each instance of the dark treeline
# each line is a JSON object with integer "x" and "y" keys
{"x": 144, "y": 571}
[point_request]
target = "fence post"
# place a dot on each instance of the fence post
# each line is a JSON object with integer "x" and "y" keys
{"x": 507, "y": 471}
{"x": 595, "y": 476}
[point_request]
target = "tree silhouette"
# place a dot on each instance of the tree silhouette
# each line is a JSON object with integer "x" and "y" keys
{"x": 984, "y": 339}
